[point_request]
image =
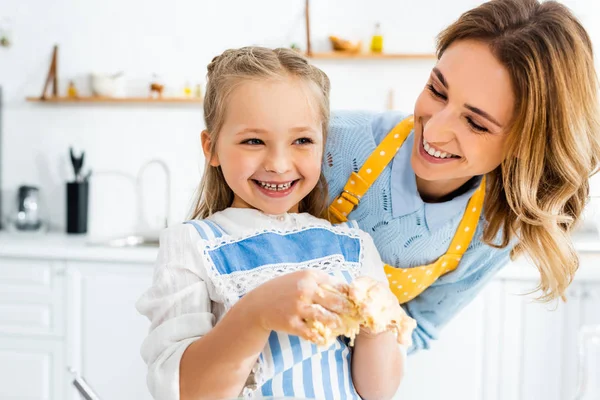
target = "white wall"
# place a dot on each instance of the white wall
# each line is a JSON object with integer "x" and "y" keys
{"x": 176, "y": 40}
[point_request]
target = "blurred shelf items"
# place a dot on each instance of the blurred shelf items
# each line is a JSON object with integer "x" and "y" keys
{"x": 102, "y": 99}
{"x": 345, "y": 49}
{"x": 110, "y": 89}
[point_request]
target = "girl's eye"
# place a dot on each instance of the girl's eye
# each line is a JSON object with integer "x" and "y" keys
{"x": 476, "y": 127}
{"x": 435, "y": 92}
{"x": 253, "y": 142}
{"x": 303, "y": 141}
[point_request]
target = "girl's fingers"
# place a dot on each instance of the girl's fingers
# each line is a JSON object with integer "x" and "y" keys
{"x": 333, "y": 300}
{"x": 317, "y": 313}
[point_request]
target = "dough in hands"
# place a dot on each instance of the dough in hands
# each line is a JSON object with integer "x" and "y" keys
{"x": 376, "y": 317}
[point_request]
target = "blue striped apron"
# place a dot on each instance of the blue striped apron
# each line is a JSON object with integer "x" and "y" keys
{"x": 288, "y": 365}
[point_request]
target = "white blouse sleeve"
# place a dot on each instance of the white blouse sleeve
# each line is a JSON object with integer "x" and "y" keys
{"x": 372, "y": 263}
{"x": 178, "y": 306}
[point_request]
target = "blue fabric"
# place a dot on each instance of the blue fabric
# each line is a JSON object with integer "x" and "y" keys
{"x": 206, "y": 229}
{"x": 292, "y": 366}
{"x": 408, "y": 232}
{"x": 274, "y": 248}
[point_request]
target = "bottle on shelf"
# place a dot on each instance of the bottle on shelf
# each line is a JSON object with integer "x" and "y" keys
{"x": 377, "y": 40}
{"x": 187, "y": 89}
{"x": 72, "y": 90}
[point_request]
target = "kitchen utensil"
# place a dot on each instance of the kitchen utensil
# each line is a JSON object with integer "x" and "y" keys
{"x": 77, "y": 207}
{"x": 82, "y": 386}
{"x": 77, "y": 163}
{"x": 28, "y": 202}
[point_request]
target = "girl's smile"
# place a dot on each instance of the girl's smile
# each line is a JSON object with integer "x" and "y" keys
{"x": 275, "y": 189}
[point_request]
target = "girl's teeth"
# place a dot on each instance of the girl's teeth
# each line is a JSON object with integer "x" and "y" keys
{"x": 435, "y": 153}
{"x": 274, "y": 186}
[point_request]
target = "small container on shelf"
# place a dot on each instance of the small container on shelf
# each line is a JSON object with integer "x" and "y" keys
{"x": 72, "y": 90}
{"x": 187, "y": 89}
{"x": 377, "y": 40}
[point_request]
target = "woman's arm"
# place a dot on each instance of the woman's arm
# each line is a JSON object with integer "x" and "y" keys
{"x": 437, "y": 305}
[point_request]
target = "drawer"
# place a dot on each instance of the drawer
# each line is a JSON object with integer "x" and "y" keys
{"x": 32, "y": 296}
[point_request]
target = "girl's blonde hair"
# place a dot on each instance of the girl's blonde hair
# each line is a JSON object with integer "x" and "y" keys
{"x": 225, "y": 73}
{"x": 540, "y": 190}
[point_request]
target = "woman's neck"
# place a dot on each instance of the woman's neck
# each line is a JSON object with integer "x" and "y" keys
{"x": 441, "y": 191}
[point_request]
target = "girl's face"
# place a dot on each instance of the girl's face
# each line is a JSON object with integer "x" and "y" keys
{"x": 462, "y": 115}
{"x": 270, "y": 146}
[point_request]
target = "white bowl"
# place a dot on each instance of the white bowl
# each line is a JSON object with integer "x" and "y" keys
{"x": 108, "y": 85}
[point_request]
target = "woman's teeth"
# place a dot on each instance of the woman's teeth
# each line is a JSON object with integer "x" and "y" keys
{"x": 436, "y": 153}
{"x": 275, "y": 186}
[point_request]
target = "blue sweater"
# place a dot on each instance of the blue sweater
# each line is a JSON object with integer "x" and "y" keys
{"x": 408, "y": 232}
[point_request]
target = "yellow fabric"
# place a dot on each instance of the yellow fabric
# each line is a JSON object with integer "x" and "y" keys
{"x": 361, "y": 181}
{"x": 407, "y": 283}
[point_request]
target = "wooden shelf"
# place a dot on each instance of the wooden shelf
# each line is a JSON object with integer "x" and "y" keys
{"x": 335, "y": 55}
{"x": 98, "y": 99}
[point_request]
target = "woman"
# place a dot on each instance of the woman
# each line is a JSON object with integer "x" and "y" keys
{"x": 505, "y": 137}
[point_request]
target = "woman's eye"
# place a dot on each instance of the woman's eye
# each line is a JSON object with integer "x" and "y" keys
{"x": 303, "y": 141}
{"x": 253, "y": 141}
{"x": 435, "y": 92}
{"x": 476, "y": 127}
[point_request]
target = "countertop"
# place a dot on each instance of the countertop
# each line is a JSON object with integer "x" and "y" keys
{"x": 60, "y": 246}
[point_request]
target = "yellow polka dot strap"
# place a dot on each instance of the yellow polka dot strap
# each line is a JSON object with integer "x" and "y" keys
{"x": 407, "y": 283}
{"x": 361, "y": 181}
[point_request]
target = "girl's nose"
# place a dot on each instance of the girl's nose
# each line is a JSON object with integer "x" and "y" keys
{"x": 278, "y": 161}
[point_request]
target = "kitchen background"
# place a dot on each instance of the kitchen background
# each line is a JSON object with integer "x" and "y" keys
{"x": 173, "y": 42}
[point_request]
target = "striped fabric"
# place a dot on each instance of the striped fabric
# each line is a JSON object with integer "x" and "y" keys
{"x": 288, "y": 365}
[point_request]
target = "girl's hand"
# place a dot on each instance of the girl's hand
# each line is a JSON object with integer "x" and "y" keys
{"x": 291, "y": 303}
{"x": 380, "y": 309}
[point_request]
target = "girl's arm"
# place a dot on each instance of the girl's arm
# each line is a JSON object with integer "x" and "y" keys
{"x": 189, "y": 357}
{"x": 377, "y": 365}
{"x": 218, "y": 365}
{"x": 185, "y": 353}
{"x": 378, "y": 360}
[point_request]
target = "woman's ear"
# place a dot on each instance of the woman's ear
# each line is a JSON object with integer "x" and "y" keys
{"x": 206, "y": 145}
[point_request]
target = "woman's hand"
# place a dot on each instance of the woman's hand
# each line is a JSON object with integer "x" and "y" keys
{"x": 294, "y": 302}
{"x": 380, "y": 309}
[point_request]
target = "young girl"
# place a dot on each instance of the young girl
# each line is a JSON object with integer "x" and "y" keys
{"x": 237, "y": 293}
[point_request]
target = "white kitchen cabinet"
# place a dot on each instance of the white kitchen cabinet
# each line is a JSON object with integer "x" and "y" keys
{"x": 543, "y": 347}
{"x": 107, "y": 328}
{"x": 506, "y": 346}
{"x": 32, "y": 297}
{"x": 72, "y": 305}
{"x": 454, "y": 364}
{"x": 31, "y": 369}
{"x": 56, "y": 314}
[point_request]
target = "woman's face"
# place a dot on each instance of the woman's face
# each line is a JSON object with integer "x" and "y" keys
{"x": 461, "y": 116}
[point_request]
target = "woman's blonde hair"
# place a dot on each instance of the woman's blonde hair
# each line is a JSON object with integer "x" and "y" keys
{"x": 225, "y": 73}
{"x": 540, "y": 190}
